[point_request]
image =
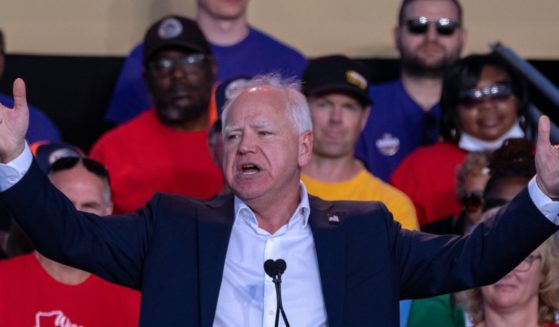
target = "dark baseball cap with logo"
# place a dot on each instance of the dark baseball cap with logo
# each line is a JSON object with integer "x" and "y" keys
{"x": 174, "y": 32}
{"x": 46, "y": 153}
{"x": 225, "y": 89}
{"x": 336, "y": 73}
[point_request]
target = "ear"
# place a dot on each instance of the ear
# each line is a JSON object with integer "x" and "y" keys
{"x": 305, "y": 148}
{"x": 109, "y": 209}
{"x": 364, "y": 117}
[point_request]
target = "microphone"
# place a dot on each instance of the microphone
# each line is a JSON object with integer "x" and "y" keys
{"x": 281, "y": 266}
{"x": 275, "y": 269}
{"x": 270, "y": 267}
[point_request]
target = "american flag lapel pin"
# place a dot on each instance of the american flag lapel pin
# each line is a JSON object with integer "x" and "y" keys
{"x": 333, "y": 219}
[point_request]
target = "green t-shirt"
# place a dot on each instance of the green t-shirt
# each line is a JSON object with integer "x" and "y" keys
{"x": 435, "y": 311}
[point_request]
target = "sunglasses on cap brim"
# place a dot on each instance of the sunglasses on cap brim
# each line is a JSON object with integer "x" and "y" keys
{"x": 91, "y": 165}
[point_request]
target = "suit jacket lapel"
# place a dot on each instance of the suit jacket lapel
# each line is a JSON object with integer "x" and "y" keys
{"x": 214, "y": 230}
{"x": 329, "y": 239}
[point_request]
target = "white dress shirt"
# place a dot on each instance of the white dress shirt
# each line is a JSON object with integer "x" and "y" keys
{"x": 247, "y": 295}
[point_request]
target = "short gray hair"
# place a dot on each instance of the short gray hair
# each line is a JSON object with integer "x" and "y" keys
{"x": 107, "y": 194}
{"x": 298, "y": 107}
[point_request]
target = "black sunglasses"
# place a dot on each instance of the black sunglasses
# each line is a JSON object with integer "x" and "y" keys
{"x": 473, "y": 97}
{"x": 91, "y": 165}
{"x": 420, "y": 25}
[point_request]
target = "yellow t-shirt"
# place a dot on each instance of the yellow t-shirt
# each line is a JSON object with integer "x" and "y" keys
{"x": 366, "y": 187}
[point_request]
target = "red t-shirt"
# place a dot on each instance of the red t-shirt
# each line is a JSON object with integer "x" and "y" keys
{"x": 31, "y": 297}
{"x": 428, "y": 177}
{"x": 143, "y": 157}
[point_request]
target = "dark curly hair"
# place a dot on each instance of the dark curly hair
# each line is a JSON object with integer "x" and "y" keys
{"x": 514, "y": 159}
{"x": 464, "y": 74}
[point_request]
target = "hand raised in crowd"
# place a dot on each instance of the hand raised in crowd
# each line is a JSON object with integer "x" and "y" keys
{"x": 547, "y": 160}
{"x": 13, "y": 124}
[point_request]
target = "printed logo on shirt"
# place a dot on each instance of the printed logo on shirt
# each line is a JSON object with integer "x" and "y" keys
{"x": 388, "y": 144}
{"x": 54, "y": 318}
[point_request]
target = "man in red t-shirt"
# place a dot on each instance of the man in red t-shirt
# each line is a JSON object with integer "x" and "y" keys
{"x": 165, "y": 149}
{"x": 37, "y": 291}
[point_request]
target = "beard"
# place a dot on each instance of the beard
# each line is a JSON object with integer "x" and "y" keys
{"x": 173, "y": 115}
{"x": 414, "y": 65}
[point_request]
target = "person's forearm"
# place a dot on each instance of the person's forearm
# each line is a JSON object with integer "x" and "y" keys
{"x": 12, "y": 171}
{"x": 547, "y": 206}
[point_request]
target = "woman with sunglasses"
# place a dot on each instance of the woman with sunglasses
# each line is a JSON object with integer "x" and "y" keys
{"x": 471, "y": 177}
{"x": 483, "y": 103}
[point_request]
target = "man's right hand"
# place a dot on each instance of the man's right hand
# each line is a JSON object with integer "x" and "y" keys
{"x": 13, "y": 124}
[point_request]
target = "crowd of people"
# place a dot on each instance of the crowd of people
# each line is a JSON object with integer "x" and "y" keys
{"x": 230, "y": 148}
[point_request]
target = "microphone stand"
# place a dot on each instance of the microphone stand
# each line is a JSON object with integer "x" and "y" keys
{"x": 279, "y": 304}
{"x": 275, "y": 269}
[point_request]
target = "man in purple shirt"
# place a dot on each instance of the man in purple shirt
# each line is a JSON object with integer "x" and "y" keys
{"x": 238, "y": 49}
{"x": 405, "y": 113}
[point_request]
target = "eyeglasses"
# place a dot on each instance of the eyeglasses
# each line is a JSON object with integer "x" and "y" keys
{"x": 420, "y": 25}
{"x": 527, "y": 263}
{"x": 473, "y": 97}
{"x": 190, "y": 63}
{"x": 91, "y": 165}
{"x": 472, "y": 201}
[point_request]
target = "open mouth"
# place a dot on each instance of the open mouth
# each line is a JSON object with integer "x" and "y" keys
{"x": 249, "y": 169}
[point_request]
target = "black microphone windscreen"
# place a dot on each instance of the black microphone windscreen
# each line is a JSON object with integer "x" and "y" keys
{"x": 281, "y": 266}
{"x": 270, "y": 268}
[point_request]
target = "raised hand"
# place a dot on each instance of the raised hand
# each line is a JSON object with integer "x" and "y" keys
{"x": 547, "y": 161}
{"x": 13, "y": 124}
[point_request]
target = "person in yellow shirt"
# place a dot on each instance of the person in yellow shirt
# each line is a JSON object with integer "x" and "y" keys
{"x": 336, "y": 90}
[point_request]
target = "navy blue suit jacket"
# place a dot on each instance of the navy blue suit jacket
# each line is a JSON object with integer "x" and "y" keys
{"x": 174, "y": 251}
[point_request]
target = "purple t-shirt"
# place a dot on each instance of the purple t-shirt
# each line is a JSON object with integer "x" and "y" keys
{"x": 397, "y": 125}
{"x": 40, "y": 125}
{"x": 258, "y": 53}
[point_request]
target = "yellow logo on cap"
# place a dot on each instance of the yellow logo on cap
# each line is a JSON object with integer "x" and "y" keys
{"x": 356, "y": 79}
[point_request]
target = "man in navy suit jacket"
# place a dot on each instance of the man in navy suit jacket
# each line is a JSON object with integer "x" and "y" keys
{"x": 200, "y": 263}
